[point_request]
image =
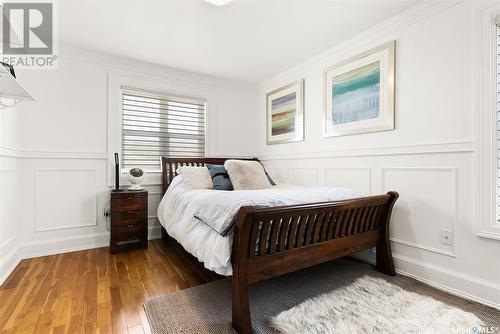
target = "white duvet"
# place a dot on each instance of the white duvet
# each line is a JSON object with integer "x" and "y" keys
{"x": 217, "y": 208}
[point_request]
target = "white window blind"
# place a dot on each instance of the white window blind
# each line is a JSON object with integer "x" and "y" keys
{"x": 155, "y": 125}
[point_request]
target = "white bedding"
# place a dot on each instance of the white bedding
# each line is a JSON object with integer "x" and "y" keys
{"x": 179, "y": 206}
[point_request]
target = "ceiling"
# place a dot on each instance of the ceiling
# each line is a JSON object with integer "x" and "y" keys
{"x": 245, "y": 40}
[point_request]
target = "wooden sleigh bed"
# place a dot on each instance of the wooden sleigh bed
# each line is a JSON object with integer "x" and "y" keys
{"x": 269, "y": 242}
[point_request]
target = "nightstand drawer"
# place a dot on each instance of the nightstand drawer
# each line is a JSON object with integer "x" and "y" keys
{"x": 128, "y": 217}
{"x": 131, "y": 231}
{"x": 129, "y": 204}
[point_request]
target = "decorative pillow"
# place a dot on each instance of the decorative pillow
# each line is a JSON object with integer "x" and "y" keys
{"x": 196, "y": 177}
{"x": 247, "y": 175}
{"x": 220, "y": 177}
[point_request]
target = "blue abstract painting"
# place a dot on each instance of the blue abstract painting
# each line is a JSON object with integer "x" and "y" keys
{"x": 356, "y": 94}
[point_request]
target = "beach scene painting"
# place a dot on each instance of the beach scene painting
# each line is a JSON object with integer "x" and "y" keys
{"x": 359, "y": 93}
{"x": 285, "y": 114}
{"x": 283, "y": 111}
{"x": 356, "y": 94}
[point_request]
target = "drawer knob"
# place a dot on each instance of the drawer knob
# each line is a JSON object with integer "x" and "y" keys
{"x": 130, "y": 226}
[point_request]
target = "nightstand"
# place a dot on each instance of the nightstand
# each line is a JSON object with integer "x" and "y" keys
{"x": 129, "y": 218}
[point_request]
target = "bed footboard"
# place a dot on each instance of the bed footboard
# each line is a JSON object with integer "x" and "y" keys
{"x": 270, "y": 242}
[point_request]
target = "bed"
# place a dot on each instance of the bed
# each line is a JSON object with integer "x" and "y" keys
{"x": 265, "y": 242}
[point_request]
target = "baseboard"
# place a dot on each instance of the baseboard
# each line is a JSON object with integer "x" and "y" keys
{"x": 8, "y": 264}
{"x": 455, "y": 283}
{"x": 40, "y": 248}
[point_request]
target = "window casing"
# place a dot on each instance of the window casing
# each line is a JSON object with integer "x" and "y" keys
{"x": 497, "y": 91}
{"x": 156, "y": 125}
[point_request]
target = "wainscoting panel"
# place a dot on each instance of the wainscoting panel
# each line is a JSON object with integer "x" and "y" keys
{"x": 65, "y": 198}
{"x": 154, "y": 198}
{"x": 302, "y": 176}
{"x": 355, "y": 178}
{"x": 277, "y": 174}
{"x": 426, "y": 206}
{"x": 9, "y": 206}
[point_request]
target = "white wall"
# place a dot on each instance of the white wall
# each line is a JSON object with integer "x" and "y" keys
{"x": 66, "y": 137}
{"x": 428, "y": 158}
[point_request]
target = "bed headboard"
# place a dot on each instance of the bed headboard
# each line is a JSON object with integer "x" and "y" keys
{"x": 169, "y": 166}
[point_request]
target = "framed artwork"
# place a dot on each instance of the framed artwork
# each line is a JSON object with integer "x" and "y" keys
{"x": 285, "y": 113}
{"x": 359, "y": 93}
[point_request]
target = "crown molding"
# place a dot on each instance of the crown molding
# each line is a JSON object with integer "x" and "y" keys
{"x": 367, "y": 39}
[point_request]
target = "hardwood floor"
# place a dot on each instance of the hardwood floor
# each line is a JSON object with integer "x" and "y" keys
{"x": 92, "y": 291}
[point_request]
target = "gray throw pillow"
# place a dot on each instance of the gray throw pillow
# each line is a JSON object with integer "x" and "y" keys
{"x": 220, "y": 177}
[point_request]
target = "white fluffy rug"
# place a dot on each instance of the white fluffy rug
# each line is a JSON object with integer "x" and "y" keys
{"x": 372, "y": 305}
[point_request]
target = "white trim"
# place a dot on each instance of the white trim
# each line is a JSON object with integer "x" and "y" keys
{"x": 485, "y": 291}
{"x": 367, "y": 169}
{"x": 90, "y": 224}
{"x": 40, "y": 248}
{"x": 50, "y": 154}
{"x": 370, "y": 38}
{"x": 15, "y": 259}
{"x": 453, "y": 171}
{"x": 464, "y": 146}
{"x": 488, "y": 289}
{"x": 424, "y": 247}
{"x": 485, "y": 132}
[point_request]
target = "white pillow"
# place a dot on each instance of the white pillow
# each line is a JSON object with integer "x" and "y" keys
{"x": 196, "y": 177}
{"x": 247, "y": 175}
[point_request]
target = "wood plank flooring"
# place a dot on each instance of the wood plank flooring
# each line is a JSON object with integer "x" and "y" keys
{"x": 92, "y": 291}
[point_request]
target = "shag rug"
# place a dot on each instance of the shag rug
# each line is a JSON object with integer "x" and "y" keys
{"x": 372, "y": 305}
{"x": 353, "y": 293}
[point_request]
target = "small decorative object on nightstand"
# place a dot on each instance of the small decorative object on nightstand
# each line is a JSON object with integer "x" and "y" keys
{"x": 129, "y": 218}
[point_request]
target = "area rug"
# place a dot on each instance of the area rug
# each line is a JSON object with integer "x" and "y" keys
{"x": 372, "y": 305}
{"x": 207, "y": 308}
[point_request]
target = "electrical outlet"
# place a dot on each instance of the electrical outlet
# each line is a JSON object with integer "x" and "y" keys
{"x": 447, "y": 237}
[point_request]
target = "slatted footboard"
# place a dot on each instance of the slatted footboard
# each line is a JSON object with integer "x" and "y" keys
{"x": 274, "y": 241}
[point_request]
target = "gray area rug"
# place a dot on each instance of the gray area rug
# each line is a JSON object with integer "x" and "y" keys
{"x": 207, "y": 308}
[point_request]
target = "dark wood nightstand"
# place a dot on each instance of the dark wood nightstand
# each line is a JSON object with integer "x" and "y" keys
{"x": 129, "y": 218}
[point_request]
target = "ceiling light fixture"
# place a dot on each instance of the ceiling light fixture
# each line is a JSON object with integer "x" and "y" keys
{"x": 219, "y": 3}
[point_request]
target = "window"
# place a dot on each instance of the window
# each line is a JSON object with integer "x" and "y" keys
{"x": 155, "y": 125}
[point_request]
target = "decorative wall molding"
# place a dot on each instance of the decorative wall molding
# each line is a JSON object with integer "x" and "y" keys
{"x": 8, "y": 263}
{"x": 92, "y": 223}
{"x": 367, "y": 170}
{"x": 9, "y": 152}
{"x": 453, "y": 194}
{"x": 412, "y": 149}
{"x": 371, "y": 37}
{"x": 453, "y": 282}
{"x": 313, "y": 173}
{"x": 423, "y": 247}
{"x": 6, "y": 243}
{"x": 47, "y": 154}
{"x": 50, "y": 154}
{"x": 71, "y": 244}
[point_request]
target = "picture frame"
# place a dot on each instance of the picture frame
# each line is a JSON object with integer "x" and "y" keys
{"x": 359, "y": 93}
{"x": 285, "y": 113}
